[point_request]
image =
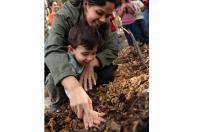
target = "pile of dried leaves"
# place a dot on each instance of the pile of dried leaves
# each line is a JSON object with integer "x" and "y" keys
{"x": 124, "y": 101}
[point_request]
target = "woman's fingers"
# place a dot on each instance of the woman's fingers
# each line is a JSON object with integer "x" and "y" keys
{"x": 90, "y": 122}
{"x": 90, "y": 104}
{"x": 79, "y": 111}
{"x": 92, "y": 118}
{"x": 81, "y": 79}
{"x": 74, "y": 109}
{"x": 101, "y": 119}
{"x": 97, "y": 122}
{"x": 86, "y": 125}
{"x": 101, "y": 114}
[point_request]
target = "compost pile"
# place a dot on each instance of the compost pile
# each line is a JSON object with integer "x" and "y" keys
{"x": 125, "y": 101}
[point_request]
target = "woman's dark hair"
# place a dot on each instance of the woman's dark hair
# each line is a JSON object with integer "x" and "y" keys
{"x": 102, "y": 28}
{"x": 85, "y": 35}
{"x": 95, "y": 2}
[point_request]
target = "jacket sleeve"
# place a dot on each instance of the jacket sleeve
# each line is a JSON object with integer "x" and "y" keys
{"x": 55, "y": 49}
{"x": 108, "y": 51}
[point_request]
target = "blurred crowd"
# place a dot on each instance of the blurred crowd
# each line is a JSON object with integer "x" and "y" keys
{"x": 51, "y": 7}
{"x": 132, "y": 15}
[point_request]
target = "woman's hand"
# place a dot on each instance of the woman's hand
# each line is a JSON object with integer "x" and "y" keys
{"x": 79, "y": 100}
{"x": 81, "y": 103}
{"x": 87, "y": 78}
{"x": 92, "y": 118}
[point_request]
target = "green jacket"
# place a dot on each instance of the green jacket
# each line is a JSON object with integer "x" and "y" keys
{"x": 55, "y": 46}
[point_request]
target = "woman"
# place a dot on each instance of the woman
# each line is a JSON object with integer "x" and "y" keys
{"x": 94, "y": 13}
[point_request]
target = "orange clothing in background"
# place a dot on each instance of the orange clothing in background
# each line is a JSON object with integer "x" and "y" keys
{"x": 51, "y": 18}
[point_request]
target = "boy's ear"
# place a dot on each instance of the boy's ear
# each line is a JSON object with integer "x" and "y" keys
{"x": 70, "y": 49}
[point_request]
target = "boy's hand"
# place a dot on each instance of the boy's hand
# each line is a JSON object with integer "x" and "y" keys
{"x": 87, "y": 78}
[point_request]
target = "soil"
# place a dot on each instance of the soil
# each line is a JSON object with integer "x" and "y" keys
{"x": 125, "y": 101}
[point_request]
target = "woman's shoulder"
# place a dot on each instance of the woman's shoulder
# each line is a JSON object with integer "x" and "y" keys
{"x": 68, "y": 10}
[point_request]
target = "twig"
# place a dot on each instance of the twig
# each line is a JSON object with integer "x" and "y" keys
{"x": 136, "y": 46}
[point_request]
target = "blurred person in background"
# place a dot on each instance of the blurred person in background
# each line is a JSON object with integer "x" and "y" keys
{"x": 54, "y": 7}
{"x": 126, "y": 13}
{"x": 138, "y": 8}
{"x": 113, "y": 29}
{"x": 146, "y": 14}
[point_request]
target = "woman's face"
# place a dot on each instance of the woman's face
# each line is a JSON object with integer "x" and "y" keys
{"x": 98, "y": 15}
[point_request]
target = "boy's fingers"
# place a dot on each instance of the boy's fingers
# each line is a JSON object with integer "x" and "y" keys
{"x": 85, "y": 83}
{"x": 90, "y": 82}
{"x": 93, "y": 79}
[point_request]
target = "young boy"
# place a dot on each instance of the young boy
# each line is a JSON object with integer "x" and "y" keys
{"x": 83, "y": 43}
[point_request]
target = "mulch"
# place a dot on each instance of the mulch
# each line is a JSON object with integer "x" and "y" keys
{"x": 125, "y": 101}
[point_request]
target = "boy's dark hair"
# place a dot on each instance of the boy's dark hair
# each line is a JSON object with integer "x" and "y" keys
{"x": 85, "y": 35}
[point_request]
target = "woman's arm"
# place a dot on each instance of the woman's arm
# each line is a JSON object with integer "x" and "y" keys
{"x": 55, "y": 50}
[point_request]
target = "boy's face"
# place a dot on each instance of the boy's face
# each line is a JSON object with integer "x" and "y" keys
{"x": 83, "y": 55}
